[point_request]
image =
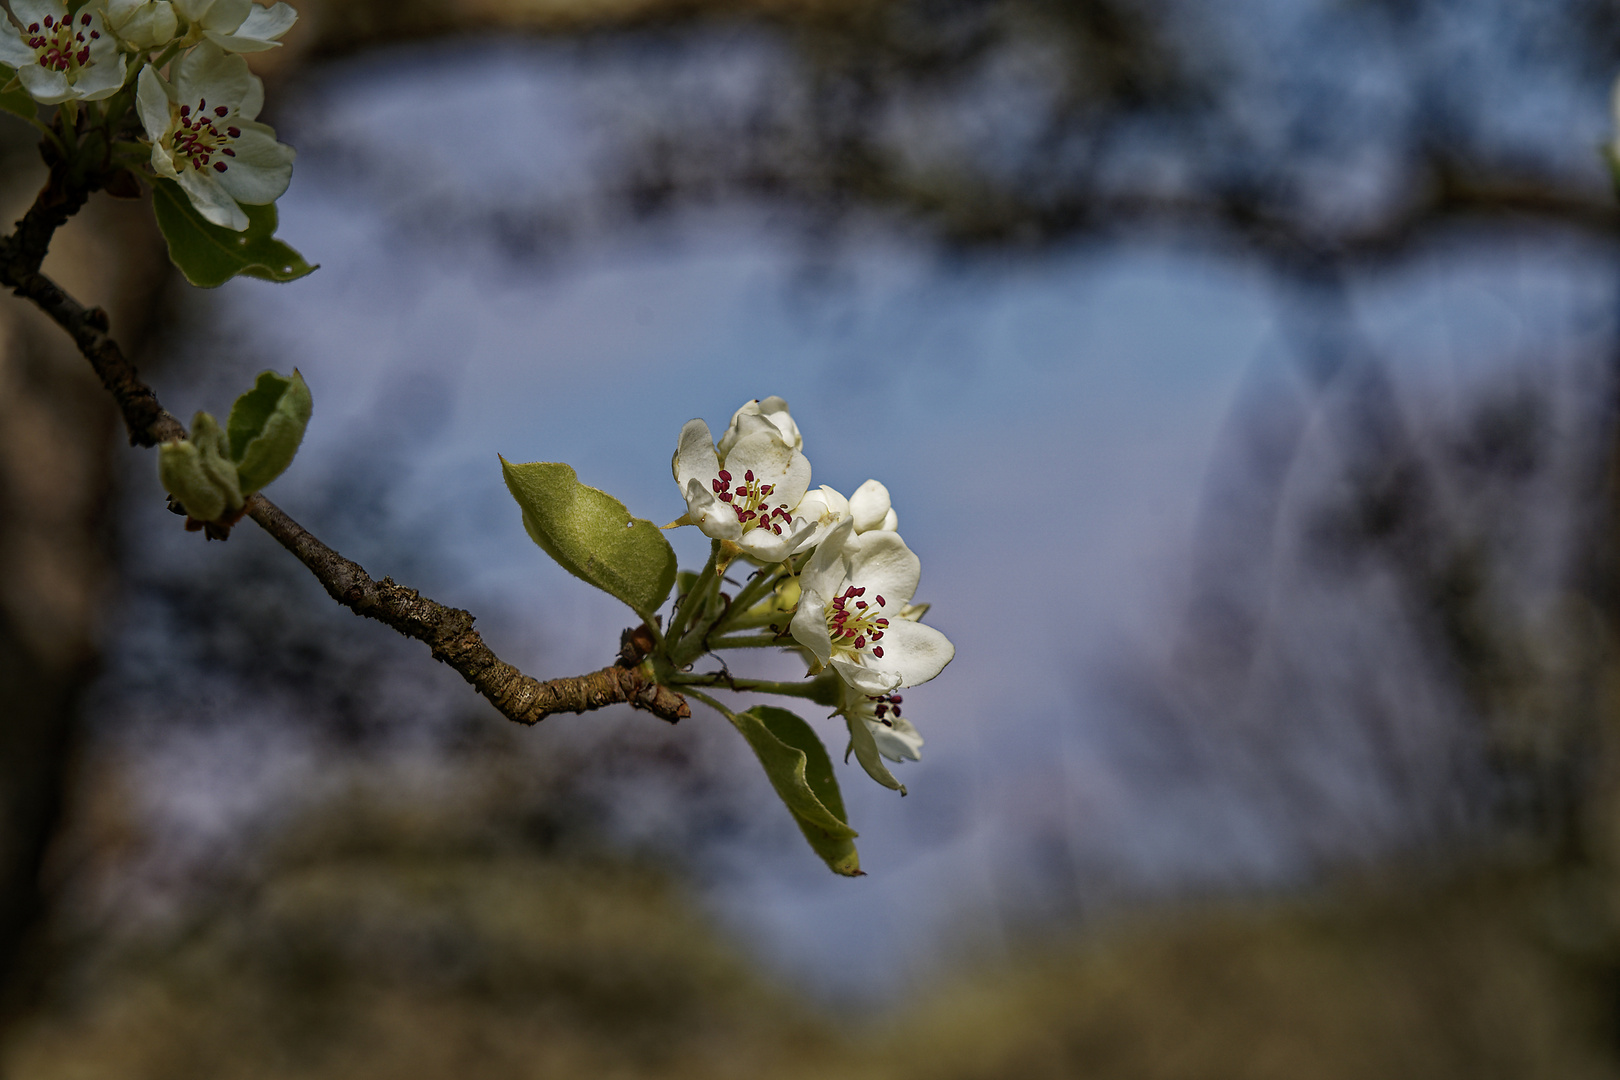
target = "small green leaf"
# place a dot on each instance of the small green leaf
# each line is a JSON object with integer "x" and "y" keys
{"x": 802, "y": 774}
{"x": 197, "y": 472}
{"x": 592, "y": 535}
{"x": 13, "y": 98}
{"x": 209, "y": 255}
{"x": 267, "y": 424}
{"x": 866, "y": 752}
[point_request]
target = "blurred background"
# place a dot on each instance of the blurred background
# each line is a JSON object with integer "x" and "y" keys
{"x": 1245, "y": 378}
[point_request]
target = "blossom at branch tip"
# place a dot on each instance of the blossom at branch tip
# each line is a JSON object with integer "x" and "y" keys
{"x": 141, "y": 25}
{"x": 60, "y": 57}
{"x": 238, "y": 26}
{"x": 773, "y": 409}
{"x": 895, "y": 736}
{"x": 749, "y": 495}
{"x": 852, "y": 592}
{"x": 870, "y": 508}
{"x": 204, "y": 135}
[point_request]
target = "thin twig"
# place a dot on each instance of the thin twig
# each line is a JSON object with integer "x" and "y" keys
{"x": 447, "y": 631}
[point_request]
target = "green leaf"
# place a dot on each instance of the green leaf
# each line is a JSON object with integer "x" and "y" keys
{"x": 802, "y": 774}
{"x": 866, "y": 752}
{"x": 209, "y": 255}
{"x": 197, "y": 472}
{"x": 15, "y": 100}
{"x": 592, "y": 535}
{"x": 267, "y": 424}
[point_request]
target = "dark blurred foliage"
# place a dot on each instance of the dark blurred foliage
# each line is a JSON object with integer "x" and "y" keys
{"x": 489, "y": 920}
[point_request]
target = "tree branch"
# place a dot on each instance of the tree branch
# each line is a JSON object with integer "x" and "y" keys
{"x": 447, "y": 631}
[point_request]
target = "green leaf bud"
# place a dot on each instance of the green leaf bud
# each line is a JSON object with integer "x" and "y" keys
{"x": 199, "y": 473}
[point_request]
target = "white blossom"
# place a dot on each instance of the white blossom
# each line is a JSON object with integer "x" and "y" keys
{"x": 238, "y": 26}
{"x": 851, "y": 594}
{"x": 895, "y": 736}
{"x": 870, "y": 508}
{"x": 204, "y": 135}
{"x": 749, "y": 494}
{"x": 773, "y": 409}
{"x": 141, "y": 25}
{"x": 60, "y": 57}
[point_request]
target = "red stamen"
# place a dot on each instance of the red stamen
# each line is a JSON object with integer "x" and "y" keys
{"x": 877, "y": 651}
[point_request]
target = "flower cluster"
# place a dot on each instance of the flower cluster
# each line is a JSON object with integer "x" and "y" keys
{"x": 196, "y": 100}
{"x": 855, "y": 576}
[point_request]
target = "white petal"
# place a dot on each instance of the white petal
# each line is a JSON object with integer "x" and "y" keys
{"x": 153, "y": 26}
{"x": 716, "y": 519}
{"x": 14, "y": 52}
{"x": 163, "y": 164}
{"x": 193, "y": 10}
{"x": 773, "y": 462}
{"x": 269, "y": 23}
{"x": 257, "y": 32}
{"x": 773, "y": 410}
{"x": 868, "y": 505}
{"x": 826, "y": 572}
{"x": 45, "y": 86}
{"x": 224, "y": 16}
{"x": 119, "y": 11}
{"x": 809, "y": 625}
{"x": 901, "y": 742}
{"x": 206, "y": 73}
{"x": 880, "y": 563}
{"x": 232, "y": 43}
{"x": 865, "y": 678}
{"x": 253, "y": 100}
{"x": 825, "y": 509}
{"x": 695, "y": 458}
{"x": 211, "y": 201}
{"x": 34, "y": 11}
{"x": 891, "y": 521}
{"x": 913, "y": 653}
{"x": 261, "y": 169}
{"x": 152, "y": 100}
{"x": 766, "y": 546}
{"x": 101, "y": 79}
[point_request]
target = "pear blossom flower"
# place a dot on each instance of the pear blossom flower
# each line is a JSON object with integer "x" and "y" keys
{"x": 870, "y": 508}
{"x": 895, "y": 736}
{"x": 141, "y": 25}
{"x": 750, "y": 494}
{"x": 773, "y": 409}
{"x": 60, "y": 57}
{"x": 825, "y": 509}
{"x": 204, "y": 135}
{"x": 852, "y": 592}
{"x": 238, "y": 26}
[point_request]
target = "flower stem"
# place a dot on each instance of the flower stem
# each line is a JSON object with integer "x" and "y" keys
{"x": 690, "y": 602}
{"x": 750, "y": 641}
{"x": 804, "y": 689}
{"x": 713, "y": 704}
{"x": 737, "y": 614}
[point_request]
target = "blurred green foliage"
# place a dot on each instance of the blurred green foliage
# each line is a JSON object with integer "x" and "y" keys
{"x": 383, "y": 938}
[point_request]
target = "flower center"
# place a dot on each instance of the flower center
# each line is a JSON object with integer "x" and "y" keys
{"x": 749, "y": 503}
{"x": 856, "y": 626}
{"x": 61, "y": 46}
{"x": 197, "y": 140}
{"x": 886, "y": 708}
